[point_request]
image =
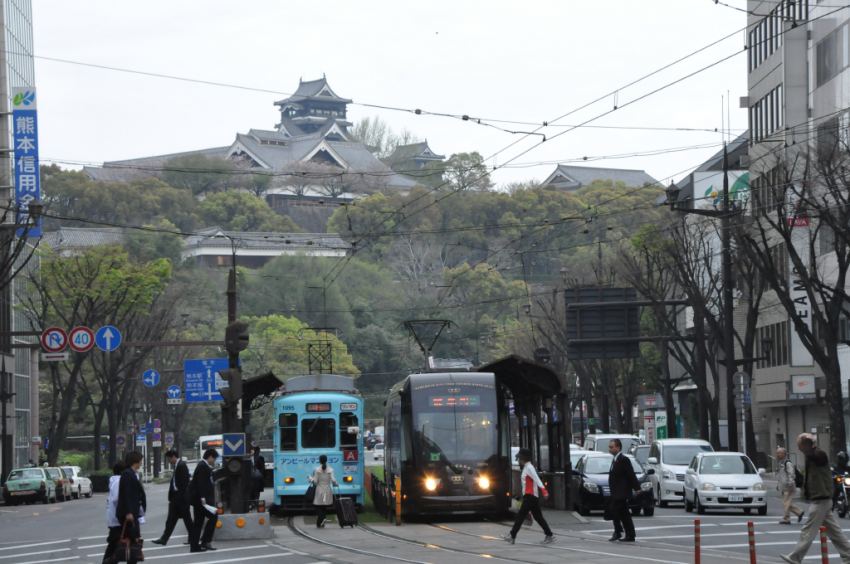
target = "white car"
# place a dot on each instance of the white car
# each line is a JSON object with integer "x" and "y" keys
{"x": 599, "y": 443}
{"x": 724, "y": 480}
{"x": 670, "y": 458}
{"x": 378, "y": 452}
{"x": 80, "y": 484}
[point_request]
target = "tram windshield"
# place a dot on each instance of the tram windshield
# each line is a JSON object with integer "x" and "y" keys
{"x": 455, "y": 427}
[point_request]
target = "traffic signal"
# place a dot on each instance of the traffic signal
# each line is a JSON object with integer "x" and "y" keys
{"x": 236, "y": 337}
{"x": 233, "y": 392}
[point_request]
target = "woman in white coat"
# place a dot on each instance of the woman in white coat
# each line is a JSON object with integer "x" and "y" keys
{"x": 323, "y": 477}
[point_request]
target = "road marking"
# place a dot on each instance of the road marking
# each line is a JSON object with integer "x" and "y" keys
{"x": 702, "y": 536}
{"x": 34, "y": 553}
{"x": 758, "y": 544}
{"x": 35, "y": 544}
{"x": 63, "y": 559}
{"x": 618, "y": 556}
{"x": 93, "y": 546}
{"x": 654, "y": 528}
{"x": 250, "y": 558}
{"x": 217, "y": 550}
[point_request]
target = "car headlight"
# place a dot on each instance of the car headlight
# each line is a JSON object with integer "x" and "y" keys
{"x": 708, "y": 487}
{"x": 667, "y": 475}
{"x": 758, "y": 487}
{"x": 591, "y": 487}
{"x": 646, "y": 486}
{"x": 483, "y": 483}
{"x": 431, "y": 484}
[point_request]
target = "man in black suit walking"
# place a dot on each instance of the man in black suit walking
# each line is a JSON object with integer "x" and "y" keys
{"x": 622, "y": 481}
{"x": 200, "y": 493}
{"x": 178, "y": 506}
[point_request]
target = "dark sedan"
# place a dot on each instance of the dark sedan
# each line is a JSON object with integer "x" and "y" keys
{"x": 590, "y": 484}
{"x": 370, "y": 441}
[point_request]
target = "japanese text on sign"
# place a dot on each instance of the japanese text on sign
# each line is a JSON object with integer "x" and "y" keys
{"x": 25, "y": 135}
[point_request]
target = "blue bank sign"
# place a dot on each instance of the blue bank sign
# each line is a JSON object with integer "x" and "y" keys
{"x": 25, "y": 131}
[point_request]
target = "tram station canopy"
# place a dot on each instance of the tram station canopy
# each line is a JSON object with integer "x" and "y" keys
{"x": 525, "y": 378}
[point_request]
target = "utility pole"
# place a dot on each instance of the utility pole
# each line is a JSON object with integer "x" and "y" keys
{"x": 728, "y": 282}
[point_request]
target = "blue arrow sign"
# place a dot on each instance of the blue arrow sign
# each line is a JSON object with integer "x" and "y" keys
{"x": 107, "y": 338}
{"x": 202, "y": 381}
{"x": 174, "y": 392}
{"x": 233, "y": 444}
{"x": 150, "y": 378}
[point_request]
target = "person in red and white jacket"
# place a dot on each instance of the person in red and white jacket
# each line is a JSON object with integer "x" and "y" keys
{"x": 532, "y": 489}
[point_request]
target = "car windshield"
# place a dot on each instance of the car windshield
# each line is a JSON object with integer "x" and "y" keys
{"x": 379, "y": 447}
{"x": 69, "y": 472}
{"x": 54, "y": 473}
{"x": 726, "y": 465}
{"x": 602, "y": 465}
{"x": 26, "y": 475}
{"x": 681, "y": 455}
{"x": 575, "y": 457}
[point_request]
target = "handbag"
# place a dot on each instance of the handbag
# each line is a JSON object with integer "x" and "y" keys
{"x": 257, "y": 475}
{"x": 310, "y": 494}
{"x": 127, "y": 550}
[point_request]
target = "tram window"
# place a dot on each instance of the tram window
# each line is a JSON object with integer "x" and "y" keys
{"x": 288, "y": 432}
{"x": 347, "y": 440}
{"x": 318, "y": 432}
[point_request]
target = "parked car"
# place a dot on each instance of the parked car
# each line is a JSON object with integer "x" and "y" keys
{"x": 670, "y": 458}
{"x": 29, "y": 485}
{"x": 80, "y": 483}
{"x": 724, "y": 480}
{"x": 590, "y": 484}
{"x": 370, "y": 441}
{"x": 575, "y": 456}
{"x": 599, "y": 443}
{"x": 379, "y": 451}
{"x": 640, "y": 452}
{"x": 63, "y": 483}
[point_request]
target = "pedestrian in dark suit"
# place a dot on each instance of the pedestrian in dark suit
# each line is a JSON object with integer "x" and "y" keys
{"x": 178, "y": 506}
{"x": 622, "y": 481}
{"x": 131, "y": 497}
{"x": 200, "y": 493}
{"x": 258, "y": 474}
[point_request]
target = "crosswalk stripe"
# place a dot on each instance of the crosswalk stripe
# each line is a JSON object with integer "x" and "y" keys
{"x": 34, "y": 544}
{"x": 34, "y": 553}
{"x": 55, "y": 560}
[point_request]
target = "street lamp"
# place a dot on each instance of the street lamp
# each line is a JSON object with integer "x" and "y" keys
{"x": 527, "y": 309}
{"x": 564, "y": 272}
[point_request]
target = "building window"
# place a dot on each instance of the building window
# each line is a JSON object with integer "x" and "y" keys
{"x": 765, "y": 37}
{"x": 766, "y": 116}
{"x": 780, "y": 351}
{"x": 832, "y": 55}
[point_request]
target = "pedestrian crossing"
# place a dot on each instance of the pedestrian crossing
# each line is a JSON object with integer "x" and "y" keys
{"x": 85, "y": 550}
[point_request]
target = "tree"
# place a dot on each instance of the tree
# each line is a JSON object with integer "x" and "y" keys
{"x": 796, "y": 232}
{"x": 240, "y": 211}
{"x": 70, "y": 196}
{"x": 98, "y": 286}
{"x": 374, "y": 132}
{"x": 158, "y": 241}
{"x": 466, "y": 172}
{"x": 198, "y": 173}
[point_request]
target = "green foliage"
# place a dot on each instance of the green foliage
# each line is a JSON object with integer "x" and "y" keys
{"x": 84, "y": 461}
{"x": 198, "y": 174}
{"x": 147, "y": 246}
{"x": 238, "y": 211}
{"x": 280, "y": 343}
{"x": 465, "y": 172}
{"x": 70, "y": 194}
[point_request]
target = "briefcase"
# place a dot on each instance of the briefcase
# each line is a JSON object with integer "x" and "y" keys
{"x": 310, "y": 494}
{"x": 128, "y": 550}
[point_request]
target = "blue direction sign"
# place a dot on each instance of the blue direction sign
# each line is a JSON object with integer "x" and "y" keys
{"x": 107, "y": 338}
{"x": 233, "y": 444}
{"x": 174, "y": 392}
{"x": 202, "y": 380}
{"x": 150, "y": 378}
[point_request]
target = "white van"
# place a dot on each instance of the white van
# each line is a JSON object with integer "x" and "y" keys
{"x": 670, "y": 458}
{"x": 599, "y": 443}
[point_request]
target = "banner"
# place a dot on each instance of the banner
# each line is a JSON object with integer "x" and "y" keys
{"x": 25, "y": 135}
{"x": 661, "y": 425}
{"x": 800, "y": 355}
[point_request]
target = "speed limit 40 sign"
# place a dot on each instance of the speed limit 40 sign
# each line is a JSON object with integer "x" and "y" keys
{"x": 81, "y": 339}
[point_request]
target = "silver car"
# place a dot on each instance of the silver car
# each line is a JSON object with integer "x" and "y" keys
{"x": 724, "y": 480}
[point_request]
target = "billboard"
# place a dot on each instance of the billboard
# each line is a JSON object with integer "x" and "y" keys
{"x": 708, "y": 186}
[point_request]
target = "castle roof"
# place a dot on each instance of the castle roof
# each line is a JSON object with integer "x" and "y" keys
{"x": 313, "y": 90}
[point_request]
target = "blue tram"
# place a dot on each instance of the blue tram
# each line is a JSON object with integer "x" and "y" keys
{"x": 317, "y": 414}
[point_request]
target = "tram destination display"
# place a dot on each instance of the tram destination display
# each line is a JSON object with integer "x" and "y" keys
{"x": 455, "y": 401}
{"x": 318, "y": 407}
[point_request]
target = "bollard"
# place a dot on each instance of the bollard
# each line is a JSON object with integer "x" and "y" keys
{"x": 398, "y": 502}
{"x": 696, "y": 541}
{"x": 752, "y": 536}
{"x": 824, "y": 551}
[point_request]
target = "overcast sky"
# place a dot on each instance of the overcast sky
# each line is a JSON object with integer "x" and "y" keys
{"x": 522, "y": 61}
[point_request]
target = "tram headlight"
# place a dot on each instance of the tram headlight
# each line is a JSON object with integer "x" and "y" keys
{"x": 430, "y": 484}
{"x": 484, "y": 483}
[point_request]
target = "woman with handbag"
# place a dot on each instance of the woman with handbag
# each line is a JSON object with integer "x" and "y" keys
{"x": 131, "y": 504}
{"x": 322, "y": 478}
